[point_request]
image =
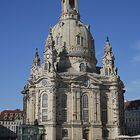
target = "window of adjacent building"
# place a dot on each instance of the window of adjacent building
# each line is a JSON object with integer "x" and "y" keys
{"x": 85, "y": 112}
{"x": 64, "y": 133}
{"x": 44, "y": 107}
{"x": 64, "y": 107}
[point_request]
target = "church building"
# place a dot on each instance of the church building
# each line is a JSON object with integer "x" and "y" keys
{"x": 68, "y": 94}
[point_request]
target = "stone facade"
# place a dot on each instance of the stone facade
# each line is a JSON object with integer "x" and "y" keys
{"x": 67, "y": 93}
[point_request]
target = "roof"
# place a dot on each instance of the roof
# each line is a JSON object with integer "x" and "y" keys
{"x": 132, "y": 104}
{"x": 11, "y": 114}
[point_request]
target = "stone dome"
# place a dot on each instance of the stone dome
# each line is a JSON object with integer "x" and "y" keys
{"x": 75, "y": 35}
{"x": 73, "y": 38}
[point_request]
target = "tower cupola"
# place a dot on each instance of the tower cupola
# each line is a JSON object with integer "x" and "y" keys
{"x": 36, "y": 60}
{"x": 109, "y": 68}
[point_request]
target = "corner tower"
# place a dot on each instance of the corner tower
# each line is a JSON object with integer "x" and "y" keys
{"x": 67, "y": 94}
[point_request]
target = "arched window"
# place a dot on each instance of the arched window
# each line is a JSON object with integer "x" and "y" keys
{"x": 85, "y": 101}
{"x": 82, "y": 67}
{"x": 57, "y": 40}
{"x": 44, "y": 107}
{"x": 45, "y": 100}
{"x": 64, "y": 107}
{"x": 85, "y": 108}
{"x": 78, "y": 40}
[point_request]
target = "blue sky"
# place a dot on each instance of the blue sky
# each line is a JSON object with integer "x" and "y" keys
{"x": 24, "y": 25}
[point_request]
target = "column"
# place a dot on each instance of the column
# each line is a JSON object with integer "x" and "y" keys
{"x": 78, "y": 106}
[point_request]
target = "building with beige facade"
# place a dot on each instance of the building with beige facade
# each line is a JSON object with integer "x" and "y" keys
{"x": 67, "y": 93}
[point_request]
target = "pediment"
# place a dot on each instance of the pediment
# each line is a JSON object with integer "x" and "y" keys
{"x": 94, "y": 79}
{"x": 40, "y": 82}
{"x": 90, "y": 78}
{"x": 40, "y": 79}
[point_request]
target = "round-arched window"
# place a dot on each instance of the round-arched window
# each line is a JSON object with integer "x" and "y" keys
{"x": 45, "y": 100}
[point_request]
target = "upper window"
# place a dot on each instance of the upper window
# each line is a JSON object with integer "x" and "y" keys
{"x": 85, "y": 101}
{"x": 85, "y": 112}
{"x": 45, "y": 100}
{"x": 82, "y": 67}
{"x": 78, "y": 40}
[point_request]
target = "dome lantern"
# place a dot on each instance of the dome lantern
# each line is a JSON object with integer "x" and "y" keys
{"x": 70, "y": 9}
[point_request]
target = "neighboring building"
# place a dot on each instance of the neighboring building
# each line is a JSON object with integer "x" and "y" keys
{"x": 9, "y": 122}
{"x": 132, "y": 117}
{"x": 68, "y": 94}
